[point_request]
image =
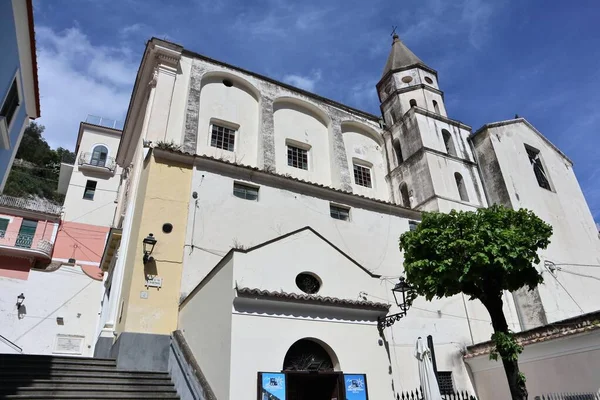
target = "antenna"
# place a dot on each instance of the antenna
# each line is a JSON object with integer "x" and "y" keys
{"x": 394, "y": 30}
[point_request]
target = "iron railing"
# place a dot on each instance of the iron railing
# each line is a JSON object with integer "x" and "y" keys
{"x": 25, "y": 241}
{"x": 88, "y": 159}
{"x": 569, "y": 396}
{"x": 418, "y": 395}
{"x": 30, "y": 204}
{"x": 11, "y": 344}
{"x": 106, "y": 122}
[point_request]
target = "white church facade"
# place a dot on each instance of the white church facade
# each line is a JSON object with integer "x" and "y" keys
{"x": 275, "y": 216}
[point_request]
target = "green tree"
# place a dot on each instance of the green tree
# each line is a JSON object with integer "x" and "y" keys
{"x": 480, "y": 254}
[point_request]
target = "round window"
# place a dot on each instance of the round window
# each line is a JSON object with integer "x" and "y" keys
{"x": 308, "y": 283}
{"x": 407, "y": 79}
{"x": 429, "y": 80}
{"x": 167, "y": 228}
{"x": 227, "y": 83}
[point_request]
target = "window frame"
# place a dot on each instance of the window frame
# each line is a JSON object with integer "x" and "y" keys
{"x": 246, "y": 187}
{"x": 94, "y": 151}
{"x": 88, "y": 188}
{"x": 3, "y": 231}
{"x": 292, "y": 144}
{"x": 224, "y": 125}
{"x": 16, "y": 82}
{"x": 337, "y": 208}
{"x": 541, "y": 164}
{"x": 363, "y": 165}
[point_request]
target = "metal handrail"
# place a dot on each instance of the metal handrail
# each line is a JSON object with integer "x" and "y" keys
{"x": 88, "y": 159}
{"x": 19, "y": 349}
{"x": 25, "y": 241}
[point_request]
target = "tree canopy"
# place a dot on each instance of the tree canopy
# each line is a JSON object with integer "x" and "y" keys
{"x": 37, "y": 167}
{"x": 477, "y": 253}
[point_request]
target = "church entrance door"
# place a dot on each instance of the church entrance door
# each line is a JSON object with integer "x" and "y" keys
{"x": 314, "y": 386}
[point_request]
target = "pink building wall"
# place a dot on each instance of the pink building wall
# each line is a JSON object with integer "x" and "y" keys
{"x": 83, "y": 242}
{"x": 14, "y": 267}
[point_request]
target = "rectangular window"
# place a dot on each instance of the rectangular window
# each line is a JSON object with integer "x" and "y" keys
{"x": 10, "y": 103}
{"x": 90, "y": 190}
{"x": 362, "y": 175}
{"x": 222, "y": 138}
{"x": 339, "y": 212}
{"x": 3, "y": 226}
{"x": 245, "y": 192}
{"x": 26, "y": 233}
{"x": 445, "y": 382}
{"x": 297, "y": 157}
{"x": 538, "y": 168}
{"x": 412, "y": 225}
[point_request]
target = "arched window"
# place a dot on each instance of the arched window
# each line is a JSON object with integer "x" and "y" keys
{"x": 460, "y": 184}
{"x": 448, "y": 142}
{"x": 398, "y": 151}
{"x": 99, "y": 155}
{"x": 413, "y": 103}
{"x": 307, "y": 355}
{"x": 404, "y": 195}
{"x": 436, "y": 108}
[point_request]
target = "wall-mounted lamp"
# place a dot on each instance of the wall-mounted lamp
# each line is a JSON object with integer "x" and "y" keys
{"x": 20, "y": 300}
{"x": 149, "y": 243}
{"x": 400, "y": 290}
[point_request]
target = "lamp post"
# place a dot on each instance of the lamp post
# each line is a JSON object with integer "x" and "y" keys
{"x": 20, "y": 300}
{"x": 149, "y": 243}
{"x": 400, "y": 290}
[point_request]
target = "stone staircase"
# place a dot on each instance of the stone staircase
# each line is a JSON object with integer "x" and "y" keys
{"x": 50, "y": 377}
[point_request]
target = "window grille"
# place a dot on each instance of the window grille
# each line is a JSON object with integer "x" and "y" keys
{"x": 445, "y": 382}
{"x": 222, "y": 138}
{"x": 362, "y": 175}
{"x": 297, "y": 157}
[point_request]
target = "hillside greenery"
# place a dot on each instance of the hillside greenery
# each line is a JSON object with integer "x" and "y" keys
{"x": 36, "y": 167}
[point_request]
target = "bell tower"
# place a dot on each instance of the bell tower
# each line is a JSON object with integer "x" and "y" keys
{"x": 431, "y": 163}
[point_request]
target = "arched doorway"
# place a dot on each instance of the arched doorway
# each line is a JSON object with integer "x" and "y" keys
{"x": 309, "y": 368}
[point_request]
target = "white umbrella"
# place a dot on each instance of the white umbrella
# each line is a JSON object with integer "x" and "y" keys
{"x": 429, "y": 385}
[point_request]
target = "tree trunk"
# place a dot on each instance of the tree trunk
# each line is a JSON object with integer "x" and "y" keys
{"x": 517, "y": 387}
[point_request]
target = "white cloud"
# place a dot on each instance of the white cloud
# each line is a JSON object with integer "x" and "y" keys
{"x": 78, "y": 78}
{"x": 306, "y": 82}
{"x": 131, "y": 29}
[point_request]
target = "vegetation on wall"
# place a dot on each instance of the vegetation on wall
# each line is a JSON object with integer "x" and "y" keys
{"x": 36, "y": 167}
{"x": 480, "y": 254}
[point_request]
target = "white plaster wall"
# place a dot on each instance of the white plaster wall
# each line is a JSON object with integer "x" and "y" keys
{"x": 67, "y": 292}
{"x": 176, "y": 122}
{"x": 99, "y": 211}
{"x": 361, "y": 146}
{"x": 570, "y": 364}
{"x": 575, "y": 237}
{"x": 260, "y": 342}
{"x": 206, "y": 324}
{"x": 442, "y": 170}
{"x": 431, "y": 134}
{"x": 297, "y": 123}
{"x": 236, "y": 105}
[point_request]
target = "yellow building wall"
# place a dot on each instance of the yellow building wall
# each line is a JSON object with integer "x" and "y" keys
{"x": 163, "y": 197}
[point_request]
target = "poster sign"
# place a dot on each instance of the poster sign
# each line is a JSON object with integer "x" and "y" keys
{"x": 356, "y": 386}
{"x": 272, "y": 386}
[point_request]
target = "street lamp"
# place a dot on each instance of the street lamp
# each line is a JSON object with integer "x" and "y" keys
{"x": 20, "y": 300}
{"x": 400, "y": 290}
{"x": 149, "y": 243}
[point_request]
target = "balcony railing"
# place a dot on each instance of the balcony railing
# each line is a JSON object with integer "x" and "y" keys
{"x": 30, "y": 204}
{"x": 86, "y": 159}
{"x": 106, "y": 122}
{"x": 25, "y": 241}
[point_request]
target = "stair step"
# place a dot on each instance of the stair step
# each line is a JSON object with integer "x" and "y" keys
{"x": 26, "y": 365}
{"x": 34, "y": 358}
{"x": 72, "y": 373}
{"x": 93, "y": 396}
{"x": 70, "y": 380}
{"x": 84, "y": 387}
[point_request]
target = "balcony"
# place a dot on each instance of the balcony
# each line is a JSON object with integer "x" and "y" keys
{"x": 24, "y": 245}
{"x": 107, "y": 165}
{"x": 32, "y": 204}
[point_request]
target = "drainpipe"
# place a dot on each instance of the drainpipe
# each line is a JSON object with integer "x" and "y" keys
{"x": 432, "y": 350}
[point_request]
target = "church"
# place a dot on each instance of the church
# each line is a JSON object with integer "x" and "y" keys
{"x": 255, "y": 243}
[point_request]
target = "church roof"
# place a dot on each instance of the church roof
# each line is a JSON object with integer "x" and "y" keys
{"x": 400, "y": 57}
{"x": 312, "y": 299}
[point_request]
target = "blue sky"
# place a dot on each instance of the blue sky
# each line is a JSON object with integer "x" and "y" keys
{"x": 495, "y": 58}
